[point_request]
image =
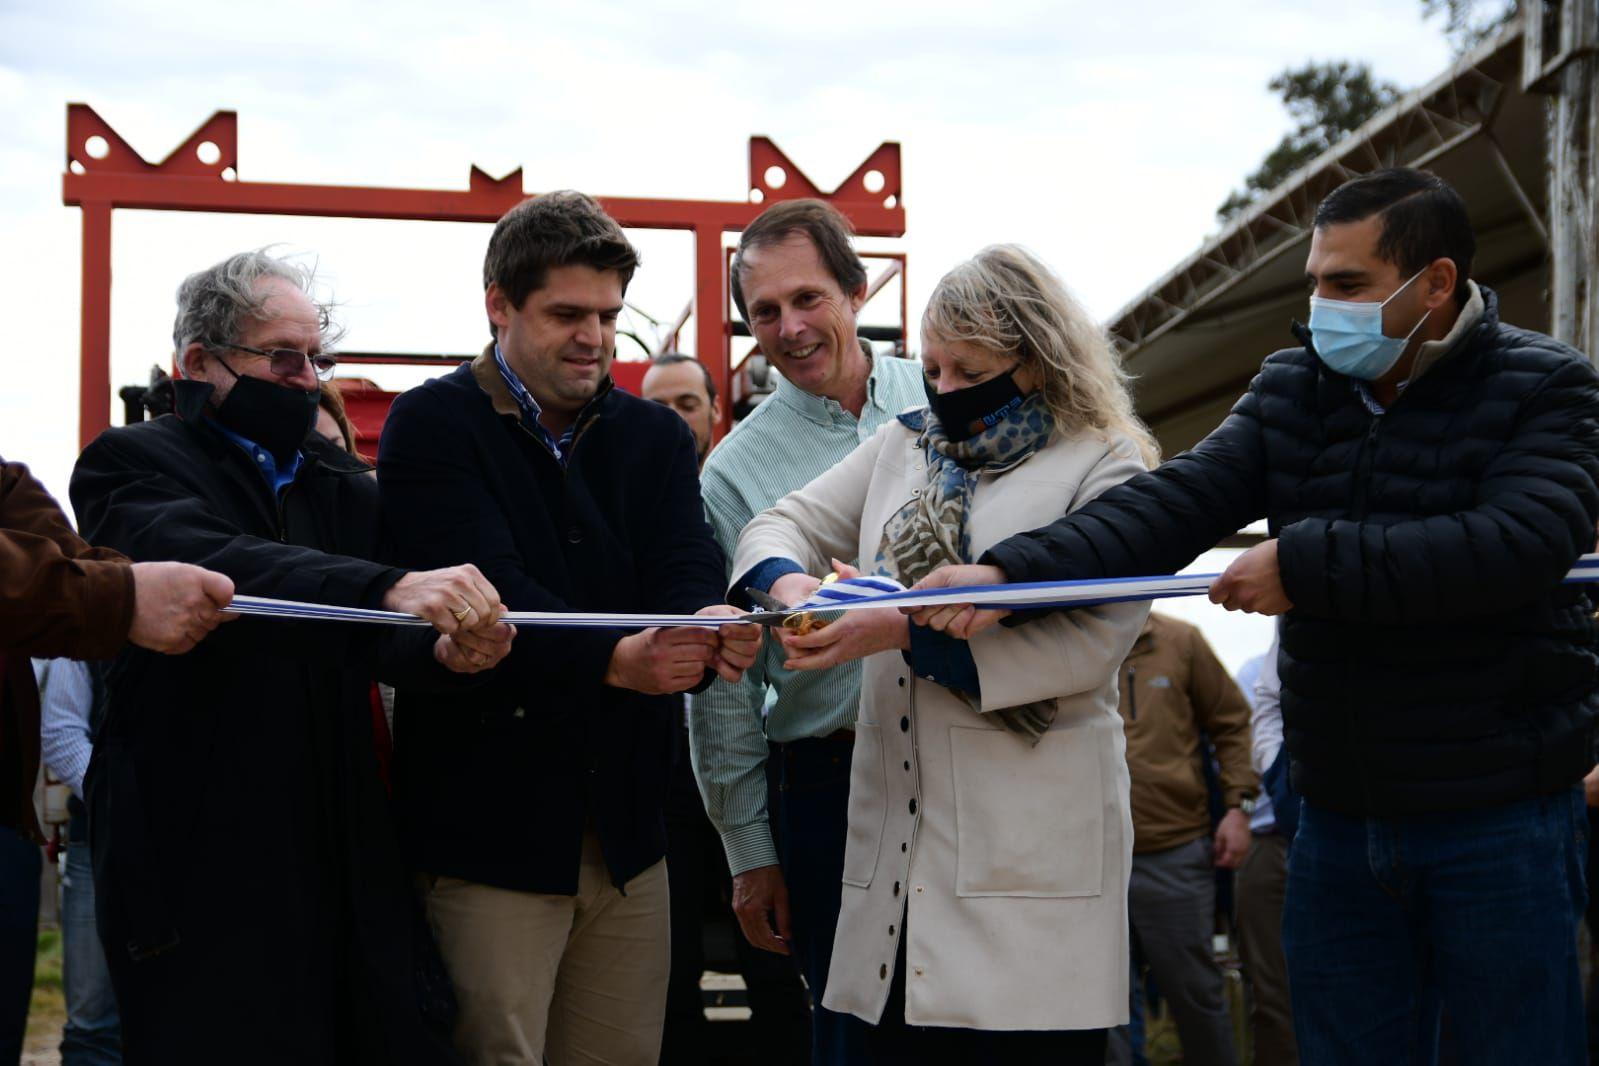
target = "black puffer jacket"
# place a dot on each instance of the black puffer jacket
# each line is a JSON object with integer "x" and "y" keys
{"x": 1433, "y": 660}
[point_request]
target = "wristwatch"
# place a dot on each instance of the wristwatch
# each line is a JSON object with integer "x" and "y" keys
{"x": 1248, "y": 805}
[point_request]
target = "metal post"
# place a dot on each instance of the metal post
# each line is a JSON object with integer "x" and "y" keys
{"x": 1563, "y": 62}
{"x": 711, "y": 333}
{"x": 94, "y": 326}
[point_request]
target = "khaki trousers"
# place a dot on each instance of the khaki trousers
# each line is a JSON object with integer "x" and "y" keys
{"x": 571, "y": 979}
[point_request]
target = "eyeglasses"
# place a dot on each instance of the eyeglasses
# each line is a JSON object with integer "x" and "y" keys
{"x": 286, "y": 362}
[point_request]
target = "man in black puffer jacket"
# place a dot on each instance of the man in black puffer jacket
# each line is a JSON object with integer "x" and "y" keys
{"x": 1428, "y": 474}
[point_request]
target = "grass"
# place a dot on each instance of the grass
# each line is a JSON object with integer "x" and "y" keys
{"x": 47, "y": 1012}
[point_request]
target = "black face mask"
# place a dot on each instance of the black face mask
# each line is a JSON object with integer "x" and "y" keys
{"x": 964, "y": 413}
{"x": 276, "y": 417}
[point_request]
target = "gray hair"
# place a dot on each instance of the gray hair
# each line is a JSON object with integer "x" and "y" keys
{"x": 214, "y": 303}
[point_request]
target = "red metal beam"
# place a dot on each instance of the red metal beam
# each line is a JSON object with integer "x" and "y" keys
{"x": 104, "y": 172}
{"x": 156, "y": 192}
{"x": 94, "y": 325}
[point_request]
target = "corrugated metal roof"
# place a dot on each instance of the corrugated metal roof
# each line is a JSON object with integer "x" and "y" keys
{"x": 1196, "y": 336}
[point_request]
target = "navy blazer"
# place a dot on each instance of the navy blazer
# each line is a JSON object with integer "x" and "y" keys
{"x": 496, "y": 786}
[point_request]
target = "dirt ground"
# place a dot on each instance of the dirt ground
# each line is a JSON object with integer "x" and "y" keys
{"x": 47, "y": 1014}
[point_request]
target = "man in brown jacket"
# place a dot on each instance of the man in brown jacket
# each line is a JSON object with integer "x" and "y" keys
{"x": 1172, "y": 689}
{"x": 60, "y": 597}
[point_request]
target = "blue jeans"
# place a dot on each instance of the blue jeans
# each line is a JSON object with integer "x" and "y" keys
{"x": 812, "y": 823}
{"x": 1387, "y": 920}
{"x": 93, "y": 1033}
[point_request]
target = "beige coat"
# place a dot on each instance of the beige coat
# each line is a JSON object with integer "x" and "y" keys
{"x": 1012, "y": 861}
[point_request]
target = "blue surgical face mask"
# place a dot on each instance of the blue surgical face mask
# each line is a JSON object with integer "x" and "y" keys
{"x": 1349, "y": 338}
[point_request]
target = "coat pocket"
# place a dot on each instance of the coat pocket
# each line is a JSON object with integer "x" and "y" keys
{"x": 1029, "y": 822}
{"x": 868, "y": 810}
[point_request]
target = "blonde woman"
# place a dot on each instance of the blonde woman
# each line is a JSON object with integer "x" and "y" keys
{"x": 984, "y": 909}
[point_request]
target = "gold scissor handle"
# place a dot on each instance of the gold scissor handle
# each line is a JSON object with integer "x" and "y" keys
{"x": 806, "y": 621}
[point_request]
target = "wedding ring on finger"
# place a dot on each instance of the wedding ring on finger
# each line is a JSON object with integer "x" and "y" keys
{"x": 460, "y": 616}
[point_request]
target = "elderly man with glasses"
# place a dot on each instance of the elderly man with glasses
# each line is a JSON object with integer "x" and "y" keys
{"x": 251, "y": 896}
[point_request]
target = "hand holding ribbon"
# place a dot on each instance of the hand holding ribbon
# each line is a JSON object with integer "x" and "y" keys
{"x": 958, "y": 619}
{"x": 736, "y": 645}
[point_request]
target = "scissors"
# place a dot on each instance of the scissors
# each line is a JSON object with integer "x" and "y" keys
{"x": 779, "y": 614}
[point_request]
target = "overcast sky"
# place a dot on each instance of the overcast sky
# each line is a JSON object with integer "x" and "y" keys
{"x": 1100, "y": 134}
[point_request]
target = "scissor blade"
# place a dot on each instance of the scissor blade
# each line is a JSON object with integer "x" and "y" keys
{"x": 766, "y": 600}
{"x": 766, "y": 618}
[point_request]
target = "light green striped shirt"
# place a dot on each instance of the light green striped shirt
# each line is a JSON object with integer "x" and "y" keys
{"x": 786, "y": 442}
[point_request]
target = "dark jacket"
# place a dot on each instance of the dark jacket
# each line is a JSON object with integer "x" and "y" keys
{"x": 1433, "y": 660}
{"x": 58, "y": 597}
{"x": 496, "y": 787}
{"x": 248, "y": 880}
{"x": 1173, "y": 688}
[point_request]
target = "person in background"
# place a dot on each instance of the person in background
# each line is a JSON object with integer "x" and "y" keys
{"x": 332, "y": 421}
{"x": 249, "y": 886}
{"x": 1173, "y": 689}
{"x": 1263, "y": 878}
{"x": 984, "y": 915}
{"x": 684, "y": 384}
{"x": 73, "y": 706}
{"x": 61, "y": 597}
{"x": 333, "y": 425}
{"x": 799, "y": 284}
{"x": 695, "y": 863}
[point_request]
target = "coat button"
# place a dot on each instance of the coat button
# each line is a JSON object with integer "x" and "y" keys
{"x": 913, "y": 805}
{"x": 904, "y": 845}
{"x": 904, "y": 723}
{"x": 896, "y": 888}
{"x": 891, "y": 930}
{"x": 574, "y": 536}
{"x": 907, "y": 766}
{"x": 882, "y": 972}
{"x": 918, "y": 971}
{"x": 918, "y": 890}
{"x": 902, "y": 682}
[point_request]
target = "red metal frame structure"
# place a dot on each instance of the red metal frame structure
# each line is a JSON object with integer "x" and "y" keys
{"x": 105, "y": 173}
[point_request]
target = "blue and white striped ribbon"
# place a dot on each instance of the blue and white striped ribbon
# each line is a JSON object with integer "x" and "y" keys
{"x": 847, "y": 595}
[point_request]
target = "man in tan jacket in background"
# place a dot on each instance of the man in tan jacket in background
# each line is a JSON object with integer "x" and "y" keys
{"x": 1172, "y": 689}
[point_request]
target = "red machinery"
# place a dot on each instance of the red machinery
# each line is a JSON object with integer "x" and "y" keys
{"x": 105, "y": 173}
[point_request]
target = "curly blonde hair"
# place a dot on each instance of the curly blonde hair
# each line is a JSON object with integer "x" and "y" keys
{"x": 1005, "y": 300}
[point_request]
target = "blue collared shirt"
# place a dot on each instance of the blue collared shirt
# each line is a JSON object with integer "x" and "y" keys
{"x": 263, "y": 459}
{"x": 531, "y": 411}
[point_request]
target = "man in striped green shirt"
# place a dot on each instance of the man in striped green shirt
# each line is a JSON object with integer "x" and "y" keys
{"x": 799, "y": 285}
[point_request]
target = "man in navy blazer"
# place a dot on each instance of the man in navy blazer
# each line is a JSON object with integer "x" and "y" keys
{"x": 532, "y": 808}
